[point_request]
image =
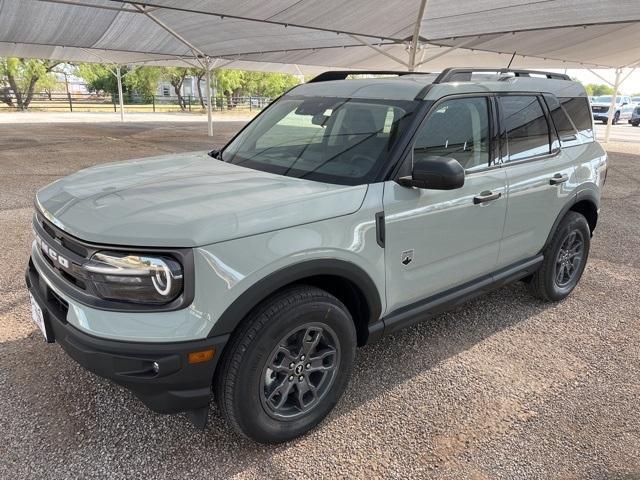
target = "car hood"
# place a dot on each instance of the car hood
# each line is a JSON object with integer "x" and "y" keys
{"x": 186, "y": 200}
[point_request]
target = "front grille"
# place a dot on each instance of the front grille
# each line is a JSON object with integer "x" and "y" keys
{"x": 64, "y": 246}
{"x": 598, "y": 109}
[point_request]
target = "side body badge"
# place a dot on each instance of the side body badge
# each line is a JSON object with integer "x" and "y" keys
{"x": 406, "y": 257}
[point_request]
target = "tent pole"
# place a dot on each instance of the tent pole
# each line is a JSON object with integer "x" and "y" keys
{"x": 209, "y": 117}
{"x": 612, "y": 106}
{"x": 416, "y": 36}
{"x": 120, "y": 99}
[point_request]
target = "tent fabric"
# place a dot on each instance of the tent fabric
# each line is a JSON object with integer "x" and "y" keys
{"x": 307, "y": 36}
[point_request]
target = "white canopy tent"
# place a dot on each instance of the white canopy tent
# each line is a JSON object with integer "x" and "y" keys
{"x": 306, "y": 36}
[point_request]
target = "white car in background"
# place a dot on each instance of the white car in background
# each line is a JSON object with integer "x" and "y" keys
{"x": 600, "y": 108}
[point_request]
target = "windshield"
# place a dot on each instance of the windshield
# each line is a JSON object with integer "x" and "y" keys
{"x": 334, "y": 140}
{"x": 606, "y": 99}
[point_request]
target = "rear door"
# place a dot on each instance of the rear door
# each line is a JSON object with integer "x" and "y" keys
{"x": 539, "y": 175}
{"x": 439, "y": 239}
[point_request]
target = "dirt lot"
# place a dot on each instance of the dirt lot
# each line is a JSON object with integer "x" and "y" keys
{"x": 504, "y": 387}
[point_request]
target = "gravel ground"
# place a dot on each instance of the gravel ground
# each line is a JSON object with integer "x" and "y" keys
{"x": 503, "y": 387}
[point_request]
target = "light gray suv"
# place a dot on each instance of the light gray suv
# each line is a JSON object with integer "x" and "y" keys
{"x": 346, "y": 210}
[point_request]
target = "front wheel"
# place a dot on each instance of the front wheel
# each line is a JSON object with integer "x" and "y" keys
{"x": 565, "y": 258}
{"x": 615, "y": 119}
{"x": 287, "y": 365}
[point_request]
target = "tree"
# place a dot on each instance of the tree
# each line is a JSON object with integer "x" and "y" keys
{"x": 176, "y": 76}
{"x": 268, "y": 84}
{"x": 21, "y": 76}
{"x": 48, "y": 84}
{"x": 100, "y": 78}
{"x": 596, "y": 89}
{"x": 143, "y": 80}
{"x": 229, "y": 82}
{"x": 200, "y": 73}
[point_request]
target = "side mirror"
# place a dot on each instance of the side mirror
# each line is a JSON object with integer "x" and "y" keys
{"x": 214, "y": 154}
{"x": 625, "y": 103}
{"x": 435, "y": 173}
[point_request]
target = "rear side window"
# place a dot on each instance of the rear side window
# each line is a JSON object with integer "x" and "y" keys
{"x": 458, "y": 128}
{"x": 526, "y": 126}
{"x": 572, "y": 119}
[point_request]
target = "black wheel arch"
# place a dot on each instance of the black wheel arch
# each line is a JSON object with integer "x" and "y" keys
{"x": 345, "y": 280}
{"x": 586, "y": 203}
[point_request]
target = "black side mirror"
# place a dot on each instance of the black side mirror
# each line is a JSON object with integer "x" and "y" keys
{"x": 215, "y": 154}
{"x": 433, "y": 172}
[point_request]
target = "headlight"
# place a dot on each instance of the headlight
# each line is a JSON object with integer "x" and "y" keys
{"x": 136, "y": 278}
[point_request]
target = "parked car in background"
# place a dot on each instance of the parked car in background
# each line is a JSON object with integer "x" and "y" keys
{"x": 601, "y": 104}
{"x": 635, "y": 101}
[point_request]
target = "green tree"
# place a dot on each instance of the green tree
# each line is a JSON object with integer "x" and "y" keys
{"x": 229, "y": 83}
{"x": 100, "y": 78}
{"x": 175, "y": 76}
{"x": 596, "y": 89}
{"x": 268, "y": 84}
{"x": 21, "y": 76}
{"x": 48, "y": 84}
{"x": 143, "y": 80}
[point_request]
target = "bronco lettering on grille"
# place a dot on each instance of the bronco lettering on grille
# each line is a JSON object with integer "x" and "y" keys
{"x": 51, "y": 253}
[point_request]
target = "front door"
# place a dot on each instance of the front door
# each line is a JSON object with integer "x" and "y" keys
{"x": 438, "y": 239}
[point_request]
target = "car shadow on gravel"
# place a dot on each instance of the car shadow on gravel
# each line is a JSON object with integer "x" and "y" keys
{"x": 69, "y": 409}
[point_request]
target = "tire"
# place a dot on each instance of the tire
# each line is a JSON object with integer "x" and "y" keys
{"x": 549, "y": 283}
{"x": 277, "y": 334}
{"x": 635, "y": 124}
{"x": 616, "y": 117}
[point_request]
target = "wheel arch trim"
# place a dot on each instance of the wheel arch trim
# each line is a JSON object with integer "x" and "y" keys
{"x": 584, "y": 195}
{"x": 275, "y": 281}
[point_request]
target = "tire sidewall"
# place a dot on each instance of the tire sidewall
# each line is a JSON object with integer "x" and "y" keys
{"x": 573, "y": 221}
{"x": 249, "y": 410}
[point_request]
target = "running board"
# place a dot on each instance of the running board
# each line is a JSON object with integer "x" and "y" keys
{"x": 427, "y": 308}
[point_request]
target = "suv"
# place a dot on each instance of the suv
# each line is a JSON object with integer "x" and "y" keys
{"x": 600, "y": 107}
{"x": 346, "y": 210}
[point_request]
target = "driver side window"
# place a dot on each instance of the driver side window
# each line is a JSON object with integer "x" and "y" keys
{"x": 458, "y": 128}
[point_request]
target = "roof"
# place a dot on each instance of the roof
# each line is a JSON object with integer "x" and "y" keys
{"x": 408, "y": 87}
{"x": 306, "y": 36}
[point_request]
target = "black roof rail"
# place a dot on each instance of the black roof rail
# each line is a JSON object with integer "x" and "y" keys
{"x": 464, "y": 74}
{"x": 342, "y": 74}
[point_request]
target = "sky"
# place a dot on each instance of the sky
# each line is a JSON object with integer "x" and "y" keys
{"x": 630, "y": 86}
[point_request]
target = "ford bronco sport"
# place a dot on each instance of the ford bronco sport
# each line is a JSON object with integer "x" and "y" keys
{"x": 346, "y": 210}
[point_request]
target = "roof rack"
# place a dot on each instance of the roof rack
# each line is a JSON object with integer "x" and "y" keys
{"x": 464, "y": 74}
{"x": 342, "y": 74}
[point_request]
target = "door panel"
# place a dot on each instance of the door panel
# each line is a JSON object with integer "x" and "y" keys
{"x": 451, "y": 239}
{"x": 539, "y": 183}
{"x": 534, "y": 204}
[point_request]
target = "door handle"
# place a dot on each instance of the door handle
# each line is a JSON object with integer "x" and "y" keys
{"x": 558, "y": 178}
{"x": 486, "y": 197}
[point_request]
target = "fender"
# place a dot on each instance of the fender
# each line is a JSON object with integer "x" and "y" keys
{"x": 262, "y": 289}
{"x": 584, "y": 194}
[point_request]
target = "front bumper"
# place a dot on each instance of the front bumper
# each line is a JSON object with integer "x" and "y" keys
{"x": 176, "y": 386}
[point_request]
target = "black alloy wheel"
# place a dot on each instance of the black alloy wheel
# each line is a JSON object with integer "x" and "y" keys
{"x": 301, "y": 371}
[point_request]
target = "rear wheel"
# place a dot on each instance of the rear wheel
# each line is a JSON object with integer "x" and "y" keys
{"x": 287, "y": 366}
{"x": 564, "y": 259}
